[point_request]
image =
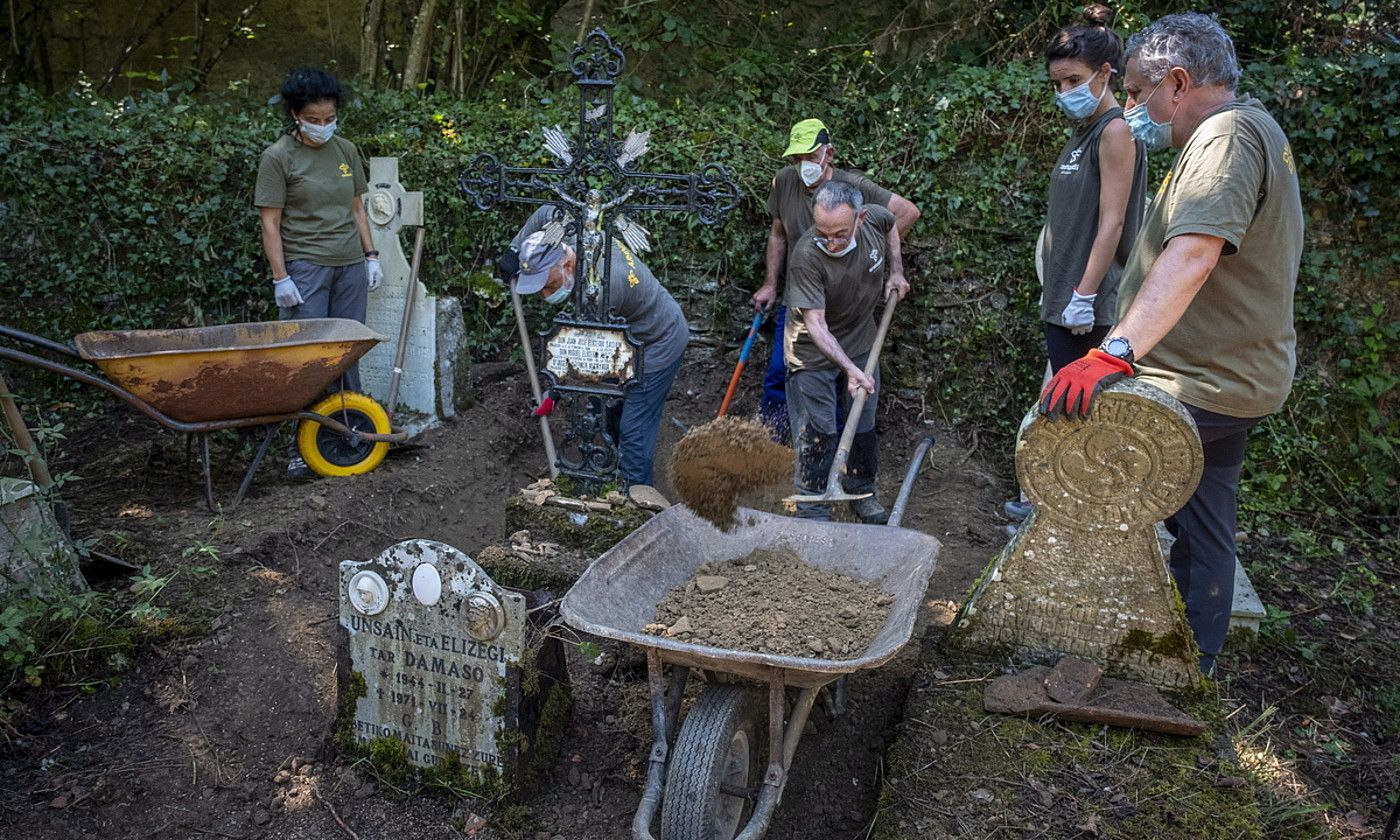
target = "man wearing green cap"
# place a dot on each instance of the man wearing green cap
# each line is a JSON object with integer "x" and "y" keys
{"x": 810, "y": 156}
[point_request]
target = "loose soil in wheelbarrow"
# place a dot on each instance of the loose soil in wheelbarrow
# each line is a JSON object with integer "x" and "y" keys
{"x": 771, "y": 602}
{"x": 717, "y": 462}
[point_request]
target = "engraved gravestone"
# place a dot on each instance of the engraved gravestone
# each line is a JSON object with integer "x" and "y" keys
{"x": 433, "y": 638}
{"x": 1086, "y": 575}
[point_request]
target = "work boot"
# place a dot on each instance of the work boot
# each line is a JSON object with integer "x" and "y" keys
{"x": 870, "y": 511}
{"x": 1016, "y": 510}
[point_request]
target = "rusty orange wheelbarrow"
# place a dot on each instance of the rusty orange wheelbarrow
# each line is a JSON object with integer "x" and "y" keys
{"x": 207, "y": 379}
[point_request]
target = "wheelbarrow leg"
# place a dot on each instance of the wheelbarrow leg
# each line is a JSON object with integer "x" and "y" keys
{"x": 253, "y": 467}
{"x": 782, "y": 744}
{"x": 662, "y": 717}
{"x": 208, "y": 481}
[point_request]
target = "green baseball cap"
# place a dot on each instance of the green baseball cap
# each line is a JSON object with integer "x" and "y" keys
{"x": 806, "y": 136}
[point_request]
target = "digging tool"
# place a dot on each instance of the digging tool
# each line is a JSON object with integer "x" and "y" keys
{"x": 739, "y": 368}
{"x": 834, "y": 491}
{"x": 534, "y": 377}
{"x": 405, "y": 322}
{"x": 38, "y": 467}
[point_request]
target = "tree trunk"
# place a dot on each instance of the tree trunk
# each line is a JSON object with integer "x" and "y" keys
{"x": 136, "y": 40}
{"x": 233, "y": 33}
{"x": 420, "y": 45}
{"x": 371, "y": 39}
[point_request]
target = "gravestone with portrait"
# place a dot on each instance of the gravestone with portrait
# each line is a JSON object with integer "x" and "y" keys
{"x": 433, "y": 374}
{"x": 437, "y": 656}
{"x": 1086, "y": 575}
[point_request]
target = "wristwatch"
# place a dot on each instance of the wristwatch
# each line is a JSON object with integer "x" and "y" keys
{"x": 1118, "y": 347}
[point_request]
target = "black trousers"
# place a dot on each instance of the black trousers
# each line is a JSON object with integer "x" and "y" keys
{"x": 1203, "y": 556}
{"x": 1063, "y": 346}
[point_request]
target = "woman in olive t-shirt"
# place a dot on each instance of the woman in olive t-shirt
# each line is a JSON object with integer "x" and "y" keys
{"x": 314, "y": 228}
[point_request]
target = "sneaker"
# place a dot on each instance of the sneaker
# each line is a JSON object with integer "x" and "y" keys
{"x": 1017, "y": 510}
{"x": 297, "y": 468}
{"x": 870, "y": 511}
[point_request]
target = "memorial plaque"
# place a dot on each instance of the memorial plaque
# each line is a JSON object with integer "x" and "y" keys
{"x": 590, "y": 354}
{"x": 433, "y": 638}
{"x": 1086, "y": 575}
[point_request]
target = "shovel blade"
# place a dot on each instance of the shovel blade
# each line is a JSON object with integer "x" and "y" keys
{"x": 829, "y": 498}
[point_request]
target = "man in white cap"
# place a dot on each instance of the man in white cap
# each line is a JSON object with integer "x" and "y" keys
{"x": 653, "y": 317}
{"x": 811, "y": 163}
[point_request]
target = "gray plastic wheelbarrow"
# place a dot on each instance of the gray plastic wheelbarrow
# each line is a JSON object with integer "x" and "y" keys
{"x": 708, "y": 768}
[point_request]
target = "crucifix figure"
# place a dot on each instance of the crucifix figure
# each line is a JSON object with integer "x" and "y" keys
{"x": 589, "y": 355}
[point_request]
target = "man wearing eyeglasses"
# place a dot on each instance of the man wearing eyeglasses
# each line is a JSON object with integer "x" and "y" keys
{"x": 811, "y": 157}
{"x": 841, "y": 268}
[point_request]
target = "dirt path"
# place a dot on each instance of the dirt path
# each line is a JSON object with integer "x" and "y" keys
{"x": 223, "y": 734}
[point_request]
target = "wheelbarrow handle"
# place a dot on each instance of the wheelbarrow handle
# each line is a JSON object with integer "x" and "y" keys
{"x": 63, "y": 349}
{"x": 902, "y": 501}
{"x": 743, "y": 360}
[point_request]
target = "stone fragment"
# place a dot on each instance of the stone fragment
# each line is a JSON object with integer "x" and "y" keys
{"x": 681, "y": 625}
{"x": 711, "y": 583}
{"x": 1072, "y": 680}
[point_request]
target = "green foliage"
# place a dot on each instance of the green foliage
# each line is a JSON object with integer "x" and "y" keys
{"x": 137, "y": 213}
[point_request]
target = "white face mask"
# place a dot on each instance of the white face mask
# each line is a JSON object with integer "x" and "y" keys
{"x": 810, "y": 172}
{"x": 318, "y": 134}
{"x": 850, "y": 246}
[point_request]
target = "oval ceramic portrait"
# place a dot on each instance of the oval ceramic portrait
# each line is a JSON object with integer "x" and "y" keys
{"x": 427, "y": 584}
{"x": 368, "y": 593}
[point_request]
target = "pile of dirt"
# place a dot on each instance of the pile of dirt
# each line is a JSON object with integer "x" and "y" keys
{"x": 771, "y": 602}
{"x": 716, "y": 462}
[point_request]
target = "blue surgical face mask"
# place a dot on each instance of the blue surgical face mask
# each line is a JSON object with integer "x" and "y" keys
{"x": 1080, "y": 102}
{"x": 318, "y": 134}
{"x": 1156, "y": 136}
{"x": 560, "y": 294}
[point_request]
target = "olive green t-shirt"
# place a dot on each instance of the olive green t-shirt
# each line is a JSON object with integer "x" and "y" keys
{"x": 848, "y": 288}
{"x": 790, "y": 202}
{"x": 314, "y": 186}
{"x": 1232, "y": 352}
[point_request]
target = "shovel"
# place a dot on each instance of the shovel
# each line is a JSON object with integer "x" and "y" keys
{"x": 739, "y": 368}
{"x": 534, "y": 379}
{"x": 834, "y": 491}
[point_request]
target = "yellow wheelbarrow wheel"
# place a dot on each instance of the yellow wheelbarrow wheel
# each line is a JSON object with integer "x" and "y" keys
{"x": 331, "y": 453}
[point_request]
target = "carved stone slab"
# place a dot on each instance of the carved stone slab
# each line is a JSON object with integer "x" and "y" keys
{"x": 432, "y": 636}
{"x": 1085, "y": 575}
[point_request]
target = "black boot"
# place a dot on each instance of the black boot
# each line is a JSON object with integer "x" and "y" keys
{"x": 815, "y": 452}
{"x": 861, "y": 467}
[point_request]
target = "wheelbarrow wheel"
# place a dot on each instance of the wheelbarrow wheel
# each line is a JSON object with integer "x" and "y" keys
{"x": 713, "y": 766}
{"x": 330, "y": 453}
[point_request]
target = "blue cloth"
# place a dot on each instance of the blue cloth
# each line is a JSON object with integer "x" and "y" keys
{"x": 330, "y": 291}
{"x": 772, "y": 406}
{"x": 636, "y": 423}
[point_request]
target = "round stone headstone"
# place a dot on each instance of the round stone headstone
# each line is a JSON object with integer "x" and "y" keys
{"x": 1135, "y": 461}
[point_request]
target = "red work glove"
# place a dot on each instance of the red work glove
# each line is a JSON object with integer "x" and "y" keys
{"x": 1075, "y": 386}
{"x": 545, "y": 408}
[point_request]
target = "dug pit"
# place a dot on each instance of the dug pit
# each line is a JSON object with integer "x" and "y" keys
{"x": 769, "y": 601}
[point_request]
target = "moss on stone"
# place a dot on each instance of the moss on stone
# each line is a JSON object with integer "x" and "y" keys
{"x": 477, "y": 782}
{"x": 389, "y": 757}
{"x": 343, "y": 733}
{"x": 1050, "y": 778}
{"x": 549, "y": 734}
{"x": 599, "y": 532}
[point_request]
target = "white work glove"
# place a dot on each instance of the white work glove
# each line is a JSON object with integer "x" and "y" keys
{"x": 375, "y": 273}
{"x": 287, "y": 293}
{"x": 1079, "y": 313}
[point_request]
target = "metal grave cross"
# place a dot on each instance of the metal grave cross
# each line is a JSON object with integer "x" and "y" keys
{"x": 589, "y": 355}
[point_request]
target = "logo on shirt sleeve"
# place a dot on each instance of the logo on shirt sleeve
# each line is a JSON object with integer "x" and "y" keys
{"x": 1072, "y": 166}
{"x": 877, "y": 259}
{"x": 345, "y": 170}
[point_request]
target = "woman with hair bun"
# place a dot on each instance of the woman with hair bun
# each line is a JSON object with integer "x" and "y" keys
{"x": 314, "y": 229}
{"x": 1097, "y": 191}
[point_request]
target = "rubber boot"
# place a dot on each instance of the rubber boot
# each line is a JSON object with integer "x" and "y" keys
{"x": 815, "y": 452}
{"x": 861, "y": 467}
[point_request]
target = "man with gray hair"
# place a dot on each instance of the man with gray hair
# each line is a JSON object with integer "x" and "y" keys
{"x": 1205, "y": 306}
{"x": 841, "y": 267}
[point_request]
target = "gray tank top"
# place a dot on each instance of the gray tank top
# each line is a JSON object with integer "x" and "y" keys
{"x": 1073, "y": 221}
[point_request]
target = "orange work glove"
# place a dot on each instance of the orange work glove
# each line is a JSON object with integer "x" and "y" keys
{"x": 1077, "y": 383}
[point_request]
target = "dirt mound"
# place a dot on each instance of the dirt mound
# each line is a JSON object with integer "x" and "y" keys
{"x": 771, "y": 602}
{"x": 721, "y": 459}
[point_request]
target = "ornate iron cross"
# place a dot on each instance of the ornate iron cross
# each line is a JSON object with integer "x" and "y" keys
{"x": 589, "y": 355}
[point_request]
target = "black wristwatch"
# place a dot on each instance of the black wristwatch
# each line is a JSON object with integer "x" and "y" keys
{"x": 371, "y": 254}
{"x": 1118, "y": 347}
